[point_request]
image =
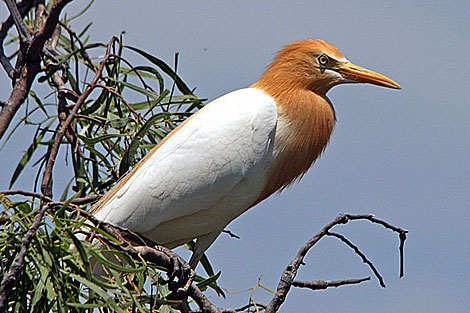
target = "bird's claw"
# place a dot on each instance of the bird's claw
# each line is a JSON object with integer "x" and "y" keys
{"x": 180, "y": 274}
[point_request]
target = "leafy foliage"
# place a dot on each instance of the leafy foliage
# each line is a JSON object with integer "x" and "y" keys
{"x": 58, "y": 277}
{"x": 132, "y": 106}
{"x": 126, "y": 115}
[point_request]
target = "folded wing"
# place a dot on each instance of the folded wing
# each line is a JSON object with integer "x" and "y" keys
{"x": 210, "y": 170}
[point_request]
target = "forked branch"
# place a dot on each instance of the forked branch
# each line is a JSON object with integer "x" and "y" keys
{"x": 139, "y": 247}
{"x": 288, "y": 276}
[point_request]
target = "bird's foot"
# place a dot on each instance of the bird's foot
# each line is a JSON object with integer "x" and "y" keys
{"x": 180, "y": 274}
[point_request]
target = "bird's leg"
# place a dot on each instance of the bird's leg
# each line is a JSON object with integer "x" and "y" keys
{"x": 202, "y": 243}
{"x": 179, "y": 269}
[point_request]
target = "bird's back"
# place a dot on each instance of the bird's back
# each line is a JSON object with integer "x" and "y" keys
{"x": 211, "y": 169}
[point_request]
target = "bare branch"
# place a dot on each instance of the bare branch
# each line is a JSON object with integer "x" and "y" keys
{"x": 287, "y": 277}
{"x": 178, "y": 268}
{"x": 250, "y": 305}
{"x": 31, "y": 67}
{"x": 324, "y": 284}
{"x": 359, "y": 253}
{"x": 231, "y": 234}
{"x": 27, "y": 194}
{"x": 23, "y": 8}
{"x": 25, "y": 36}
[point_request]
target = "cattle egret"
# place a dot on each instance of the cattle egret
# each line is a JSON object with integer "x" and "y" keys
{"x": 236, "y": 151}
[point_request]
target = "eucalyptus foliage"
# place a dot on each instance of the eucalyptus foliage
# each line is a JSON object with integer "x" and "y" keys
{"x": 138, "y": 100}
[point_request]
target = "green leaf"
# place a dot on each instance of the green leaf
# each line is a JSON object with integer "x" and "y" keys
{"x": 206, "y": 282}
{"x": 81, "y": 251}
{"x": 149, "y": 93}
{"x": 95, "y": 140}
{"x": 82, "y": 11}
{"x": 97, "y": 289}
{"x": 65, "y": 58}
{"x": 85, "y": 30}
{"x": 165, "y": 68}
{"x": 123, "y": 269}
{"x": 131, "y": 151}
{"x": 87, "y": 305}
{"x": 27, "y": 155}
{"x": 120, "y": 122}
{"x": 38, "y": 102}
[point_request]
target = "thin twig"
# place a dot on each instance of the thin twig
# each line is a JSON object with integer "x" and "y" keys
{"x": 23, "y": 8}
{"x": 23, "y": 31}
{"x": 360, "y": 254}
{"x": 32, "y": 66}
{"x": 83, "y": 52}
{"x": 27, "y": 194}
{"x": 324, "y": 284}
{"x": 290, "y": 272}
{"x": 227, "y": 231}
{"x": 76, "y": 201}
{"x": 46, "y": 185}
{"x": 250, "y": 305}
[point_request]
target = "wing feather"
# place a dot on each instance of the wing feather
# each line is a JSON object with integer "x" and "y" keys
{"x": 226, "y": 144}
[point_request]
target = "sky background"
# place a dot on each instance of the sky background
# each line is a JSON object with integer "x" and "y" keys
{"x": 402, "y": 155}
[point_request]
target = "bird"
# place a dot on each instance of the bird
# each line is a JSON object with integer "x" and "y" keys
{"x": 236, "y": 151}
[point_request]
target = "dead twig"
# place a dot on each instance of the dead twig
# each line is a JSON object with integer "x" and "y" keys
{"x": 359, "y": 253}
{"x": 324, "y": 284}
{"x": 288, "y": 276}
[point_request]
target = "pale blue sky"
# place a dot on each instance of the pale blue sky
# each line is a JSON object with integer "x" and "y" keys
{"x": 402, "y": 155}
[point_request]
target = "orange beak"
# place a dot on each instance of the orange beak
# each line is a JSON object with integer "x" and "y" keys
{"x": 353, "y": 73}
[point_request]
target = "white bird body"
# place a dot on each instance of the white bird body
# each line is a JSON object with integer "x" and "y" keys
{"x": 208, "y": 171}
{"x": 236, "y": 151}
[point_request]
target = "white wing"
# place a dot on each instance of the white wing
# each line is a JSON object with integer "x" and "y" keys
{"x": 206, "y": 174}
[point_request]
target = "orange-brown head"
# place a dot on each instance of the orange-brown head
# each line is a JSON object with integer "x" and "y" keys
{"x": 298, "y": 79}
{"x": 316, "y": 65}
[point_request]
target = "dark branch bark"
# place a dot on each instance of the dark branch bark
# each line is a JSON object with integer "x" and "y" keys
{"x": 25, "y": 36}
{"x": 178, "y": 268}
{"x": 23, "y": 8}
{"x": 31, "y": 67}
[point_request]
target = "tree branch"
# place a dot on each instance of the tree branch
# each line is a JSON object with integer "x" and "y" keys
{"x": 25, "y": 36}
{"x": 287, "y": 277}
{"x": 31, "y": 67}
{"x": 177, "y": 268}
{"x": 23, "y": 8}
{"x": 359, "y": 253}
{"x": 324, "y": 284}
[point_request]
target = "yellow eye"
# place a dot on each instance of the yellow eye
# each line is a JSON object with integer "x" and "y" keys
{"x": 323, "y": 59}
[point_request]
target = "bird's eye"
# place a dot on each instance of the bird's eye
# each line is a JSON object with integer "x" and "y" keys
{"x": 323, "y": 59}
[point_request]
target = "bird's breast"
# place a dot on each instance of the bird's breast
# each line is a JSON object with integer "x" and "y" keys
{"x": 304, "y": 126}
